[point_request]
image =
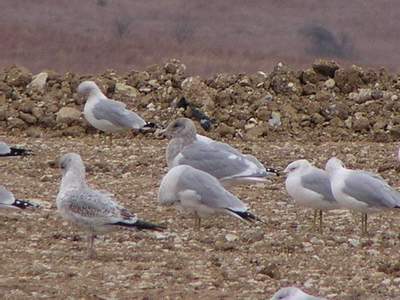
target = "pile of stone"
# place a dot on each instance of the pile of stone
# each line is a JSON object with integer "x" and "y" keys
{"x": 324, "y": 102}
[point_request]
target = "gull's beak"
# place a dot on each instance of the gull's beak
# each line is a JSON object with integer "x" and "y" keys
{"x": 286, "y": 170}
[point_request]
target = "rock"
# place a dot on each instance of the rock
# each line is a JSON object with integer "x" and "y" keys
{"x": 174, "y": 66}
{"x": 38, "y": 82}
{"x": 28, "y": 118}
{"x": 47, "y": 121}
{"x": 68, "y": 115}
{"x": 310, "y": 76}
{"x": 330, "y": 83}
{"x": 198, "y": 93}
{"x": 74, "y": 131}
{"x": 361, "y": 123}
{"x": 325, "y": 67}
{"x": 18, "y": 76}
{"x": 395, "y": 131}
{"x": 377, "y": 94}
{"x": 322, "y": 96}
{"x": 231, "y": 237}
{"x": 16, "y": 123}
{"x": 125, "y": 91}
{"x": 3, "y": 113}
{"x": 271, "y": 270}
{"x": 34, "y": 132}
{"x": 225, "y": 130}
{"x": 256, "y": 131}
{"x": 309, "y": 89}
{"x": 275, "y": 120}
{"x": 348, "y": 80}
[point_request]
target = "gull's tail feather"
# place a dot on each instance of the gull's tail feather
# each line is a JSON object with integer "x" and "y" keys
{"x": 18, "y": 152}
{"x": 142, "y": 225}
{"x": 149, "y": 127}
{"x": 272, "y": 171}
{"x": 246, "y": 215}
{"x": 24, "y": 204}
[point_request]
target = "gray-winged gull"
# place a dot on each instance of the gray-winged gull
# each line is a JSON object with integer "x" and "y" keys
{"x": 221, "y": 160}
{"x": 200, "y": 194}
{"x": 94, "y": 211}
{"x": 7, "y": 200}
{"x": 6, "y": 150}
{"x": 310, "y": 187}
{"x": 293, "y": 293}
{"x": 360, "y": 190}
{"x": 109, "y": 115}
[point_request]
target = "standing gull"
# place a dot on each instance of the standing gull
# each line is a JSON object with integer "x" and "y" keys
{"x": 6, "y": 150}
{"x": 360, "y": 190}
{"x": 200, "y": 194}
{"x": 109, "y": 115}
{"x": 94, "y": 211}
{"x": 220, "y": 160}
{"x": 7, "y": 200}
{"x": 293, "y": 293}
{"x": 310, "y": 187}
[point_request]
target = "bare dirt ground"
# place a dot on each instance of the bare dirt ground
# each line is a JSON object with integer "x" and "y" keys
{"x": 44, "y": 257}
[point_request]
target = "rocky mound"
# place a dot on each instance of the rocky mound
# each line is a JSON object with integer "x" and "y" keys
{"x": 324, "y": 102}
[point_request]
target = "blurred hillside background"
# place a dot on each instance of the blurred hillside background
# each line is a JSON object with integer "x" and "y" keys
{"x": 208, "y": 36}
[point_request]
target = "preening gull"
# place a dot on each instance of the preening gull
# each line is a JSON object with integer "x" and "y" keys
{"x": 7, "y": 200}
{"x": 220, "y": 160}
{"x": 360, "y": 190}
{"x": 293, "y": 293}
{"x": 6, "y": 150}
{"x": 109, "y": 115}
{"x": 94, "y": 211}
{"x": 310, "y": 187}
{"x": 201, "y": 194}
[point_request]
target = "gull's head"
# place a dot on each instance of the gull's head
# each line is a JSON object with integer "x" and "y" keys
{"x": 6, "y": 197}
{"x": 333, "y": 164}
{"x": 291, "y": 293}
{"x": 181, "y": 127}
{"x": 88, "y": 87}
{"x": 297, "y": 166}
{"x": 71, "y": 161}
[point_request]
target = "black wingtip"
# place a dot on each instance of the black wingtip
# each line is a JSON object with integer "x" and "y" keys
{"x": 274, "y": 171}
{"x": 246, "y": 215}
{"x": 18, "y": 152}
{"x": 24, "y": 204}
{"x": 142, "y": 225}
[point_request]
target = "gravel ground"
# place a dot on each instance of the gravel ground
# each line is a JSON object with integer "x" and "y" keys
{"x": 44, "y": 257}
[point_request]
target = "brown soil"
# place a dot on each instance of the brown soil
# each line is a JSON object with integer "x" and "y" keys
{"x": 44, "y": 257}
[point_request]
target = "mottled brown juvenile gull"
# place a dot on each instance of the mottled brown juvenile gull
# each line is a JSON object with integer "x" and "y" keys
{"x": 220, "y": 160}
{"x": 200, "y": 194}
{"x": 92, "y": 210}
{"x": 7, "y": 200}
{"x": 360, "y": 190}
{"x": 310, "y": 187}
{"x": 6, "y": 150}
{"x": 293, "y": 293}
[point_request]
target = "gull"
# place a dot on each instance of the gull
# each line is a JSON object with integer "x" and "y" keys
{"x": 310, "y": 187}
{"x": 94, "y": 211}
{"x": 293, "y": 293}
{"x": 360, "y": 190}
{"x": 7, "y": 200}
{"x": 220, "y": 160}
{"x": 200, "y": 194}
{"x": 109, "y": 115}
{"x": 6, "y": 150}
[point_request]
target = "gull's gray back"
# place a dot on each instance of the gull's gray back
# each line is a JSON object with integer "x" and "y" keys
{"x": 4, "y": 148}
{"x": 115, "y": 112}
{"x": 209, "y": 189}
{"x": 6, "y": 197}
{"x": 318, "y": 181}
{"x": 214, "y": 158}
{"x": 371, "y": 189}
